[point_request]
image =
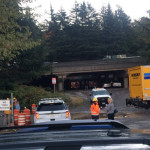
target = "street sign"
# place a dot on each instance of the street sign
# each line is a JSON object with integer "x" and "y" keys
{"x": 53, "y": 80}
{"x": 4, "y": 105}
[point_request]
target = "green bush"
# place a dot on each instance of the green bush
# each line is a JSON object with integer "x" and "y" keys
{"x": 28, "y": 95}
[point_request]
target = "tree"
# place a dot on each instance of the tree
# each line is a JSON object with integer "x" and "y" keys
{"x": 62, "y": 19}
{"x": 18, "y": 35}
{"x": 124, "y": 34}
{"x": 108, "y": 30}
{"x": 74, "y": 16}
{"x": 30, "y": 63}
{"x": 116, "y": 31}
{"x": 14, "y": 36}
{"x": 77, "y": 39}
{"x": 84, "y": 15}
{"x": 142, "y": 30}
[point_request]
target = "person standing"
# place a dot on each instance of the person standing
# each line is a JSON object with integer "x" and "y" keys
{"x": 95, "y": 110}
{"x": 17, "y": 106}
{"x": 110, "y": 109}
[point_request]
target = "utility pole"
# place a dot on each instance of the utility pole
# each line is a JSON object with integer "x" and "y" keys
{"x": 12, "y": 109}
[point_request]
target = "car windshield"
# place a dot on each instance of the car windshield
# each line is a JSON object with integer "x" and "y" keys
{"x": 51, "y": 107}
{"x": 102, "y": 92}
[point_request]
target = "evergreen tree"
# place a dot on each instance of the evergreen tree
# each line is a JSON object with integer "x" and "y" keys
{"x": 29, "y": 64}
{"x": 77, "y": 40}
{"x": 108, "y": 30}
{"x": 142, "y": 30}
{"x": 62, "y": 19}
{"x": 116, "y": 30}
{"x": 74, "y": 16}
{"x": 123, "y": 32}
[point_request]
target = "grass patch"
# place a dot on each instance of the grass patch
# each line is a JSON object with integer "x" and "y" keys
{"x": 78, "y": 116}
{"x": 76, "y": 101}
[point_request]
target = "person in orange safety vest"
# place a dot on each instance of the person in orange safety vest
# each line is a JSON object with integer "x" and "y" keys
{"x": 95, "y": 110}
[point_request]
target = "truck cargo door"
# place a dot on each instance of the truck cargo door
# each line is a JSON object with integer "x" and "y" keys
{"x": 135, "y": 82}
{"x": 146, "y": 82}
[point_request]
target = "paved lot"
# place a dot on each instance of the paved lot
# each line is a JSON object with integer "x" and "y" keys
{"x": 134, "y": 118}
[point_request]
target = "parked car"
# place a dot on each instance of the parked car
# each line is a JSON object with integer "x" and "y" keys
{"x": 116, "y": 84}
{"x": 102, "y": 95}
{"x": 107, "y": 85}
{"x": 51, "y": 109}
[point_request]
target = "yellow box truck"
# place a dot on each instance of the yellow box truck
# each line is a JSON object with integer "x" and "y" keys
{"x": 139, "y": 86}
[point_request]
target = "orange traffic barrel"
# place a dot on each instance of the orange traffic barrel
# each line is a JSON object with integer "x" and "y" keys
{"x": 27, "y": 116}
{"x": 21, "y": 119}
{"x": 16, "y": 112}
{"x": 33, "y": 108}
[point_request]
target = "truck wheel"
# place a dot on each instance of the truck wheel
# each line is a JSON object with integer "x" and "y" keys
{"x": 127, "y": 102}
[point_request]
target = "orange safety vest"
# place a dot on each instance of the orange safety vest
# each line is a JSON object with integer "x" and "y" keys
{"x": 95, "y": 109}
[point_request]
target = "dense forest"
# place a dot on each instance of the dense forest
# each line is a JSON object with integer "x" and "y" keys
{"x": 86, "y": 34}
{"x": 83, "y": 34}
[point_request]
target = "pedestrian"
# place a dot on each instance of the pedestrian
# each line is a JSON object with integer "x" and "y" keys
{"x": 95, "y": 110}
{"x": 17, "y": 106}
{"x": 14, "y": 102}
{"x": 110, "y": 109}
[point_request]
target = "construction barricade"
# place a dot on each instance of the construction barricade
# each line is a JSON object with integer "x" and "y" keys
{"x": 16, "y": 112}
{"x": 21, "y": 119}
{"x": 27, "y": 116}
{"x": 33, "y": 108}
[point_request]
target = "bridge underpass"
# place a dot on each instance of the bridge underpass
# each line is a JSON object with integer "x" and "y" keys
{"x": 98, "y": 71}
{"x": 95, "y": 79}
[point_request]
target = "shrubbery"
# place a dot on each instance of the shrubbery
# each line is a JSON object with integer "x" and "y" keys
{"x": 28, "y": 95}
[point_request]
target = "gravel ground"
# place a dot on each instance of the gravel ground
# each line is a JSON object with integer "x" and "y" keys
{"x": 134, "y": 118}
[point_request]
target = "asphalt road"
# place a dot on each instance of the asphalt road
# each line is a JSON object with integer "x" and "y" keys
{"x": 134, "y": 118}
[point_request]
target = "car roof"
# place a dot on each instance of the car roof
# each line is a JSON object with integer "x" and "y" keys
{"x": 51, "y": 100}
{"x": 99, "y": 89}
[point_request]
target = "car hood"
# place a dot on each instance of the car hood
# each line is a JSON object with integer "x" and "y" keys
{"x": 68, "y": 139}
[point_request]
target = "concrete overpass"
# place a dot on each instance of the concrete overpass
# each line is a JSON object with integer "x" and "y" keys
{"x": 63, "y": 69}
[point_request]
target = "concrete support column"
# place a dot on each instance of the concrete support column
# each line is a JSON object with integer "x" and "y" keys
{"x": 126, "y": 83}
{"x": 61, "y": 80}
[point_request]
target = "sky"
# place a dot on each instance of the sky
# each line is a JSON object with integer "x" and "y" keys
{"x": 133, "y": 8}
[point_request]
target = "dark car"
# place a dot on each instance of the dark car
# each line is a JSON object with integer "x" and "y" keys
{"x": 73, "y": 135}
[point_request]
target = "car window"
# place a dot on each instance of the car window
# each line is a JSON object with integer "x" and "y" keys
{"x": 51, "y": 107}
{"x": 100, "y": 92}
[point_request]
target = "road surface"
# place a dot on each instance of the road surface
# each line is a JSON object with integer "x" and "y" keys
{"x": 134, "y": 118}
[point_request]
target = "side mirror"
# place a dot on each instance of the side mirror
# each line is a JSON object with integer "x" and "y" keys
{"x": 111, "y": 94}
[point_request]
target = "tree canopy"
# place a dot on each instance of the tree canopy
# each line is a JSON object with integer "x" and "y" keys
{"x": 14, "y": 35}
{"x": 20, "y": 40}
{"x": 85, "y": 34}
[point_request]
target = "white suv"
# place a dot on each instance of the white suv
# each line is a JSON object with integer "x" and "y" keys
{"x": 102, "y": 95}
{"x": 51, "y": 109}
